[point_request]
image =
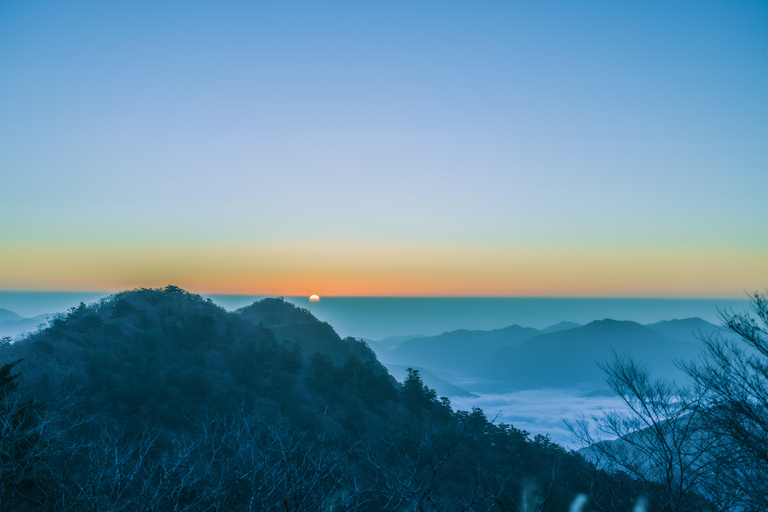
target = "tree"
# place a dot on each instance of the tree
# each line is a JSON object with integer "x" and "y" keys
{"x": 659, "y": 440}
{"x": 422, "y": 466}
{"x": 733, "y": 377}
{"x": 417, "y": 396}
{"x": 36, "y": 439}
{"x": 21, "y": 449}
{"x": 708, "y": 439}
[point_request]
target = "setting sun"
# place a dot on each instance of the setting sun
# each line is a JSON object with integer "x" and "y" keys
{"x": 314, "y": 298}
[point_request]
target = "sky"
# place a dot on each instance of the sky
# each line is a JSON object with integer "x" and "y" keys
{"x": 515, "y": 148}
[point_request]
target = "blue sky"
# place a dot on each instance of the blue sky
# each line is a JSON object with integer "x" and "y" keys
{"x": 412, "y": 148}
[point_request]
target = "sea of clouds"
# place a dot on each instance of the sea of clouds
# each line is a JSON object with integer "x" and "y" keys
{"x": 542, "y": 411}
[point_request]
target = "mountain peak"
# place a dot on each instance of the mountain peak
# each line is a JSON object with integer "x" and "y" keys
{"x": 561, "y": 326}
{"x": 608, "y": 324}
{"x": 275, "y": 312}
{"x": 691, "y": 330}
{"x": 6, "y": 315}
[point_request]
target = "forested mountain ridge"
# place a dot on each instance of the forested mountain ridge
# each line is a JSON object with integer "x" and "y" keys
{"x": 297, "y": 325}
{"x": 169, "y": 353}
{"x": 156, "y": 399}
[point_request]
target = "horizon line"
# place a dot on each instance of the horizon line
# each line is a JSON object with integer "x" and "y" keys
{"x": 746, "y": 295}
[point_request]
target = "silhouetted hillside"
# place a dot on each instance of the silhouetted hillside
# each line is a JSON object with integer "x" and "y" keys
{"x": 156, "y": 399}
{"x": 293, "y": 324}
{"x": 441, "y": 386}
{"x": 377, "y": 347}
{"x": 167, "y": 353}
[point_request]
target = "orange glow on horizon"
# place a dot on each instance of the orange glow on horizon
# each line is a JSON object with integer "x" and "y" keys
{"x": 397, "y": 271}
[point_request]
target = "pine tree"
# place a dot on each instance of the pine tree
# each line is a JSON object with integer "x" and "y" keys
{"x": 20, "y": 450}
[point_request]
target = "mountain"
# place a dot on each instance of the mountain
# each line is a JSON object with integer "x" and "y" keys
{"x": 690, "y": 330}
{"x": 297, "y": 325}
{"x": 391, "y": 342}
{"x": 570, "y": 358}
{"x": 457, "y": 351}
{"x": 167, "y": 353}
{"x": 441, "y": 386}
{"x": 157, "y": 399}
{"x": 6, "y": 315}
{"x": 377, "y": 347}
{"x": 15, "y": 328}
{"x": 562, "y": 326}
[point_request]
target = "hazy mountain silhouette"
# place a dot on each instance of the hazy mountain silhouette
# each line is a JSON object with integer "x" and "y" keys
{"x": 457, "y": 351}
{"x": 569, "y": 358}
{"x": 688, "y": 330}
{"x": 6, "y": 315}
{"x": 391, "y": 342}
{"x": 562, "y": 326}
{"x": 14, "y": 328}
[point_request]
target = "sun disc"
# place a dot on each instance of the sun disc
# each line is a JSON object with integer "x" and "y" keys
{"x": 314, "y": 298}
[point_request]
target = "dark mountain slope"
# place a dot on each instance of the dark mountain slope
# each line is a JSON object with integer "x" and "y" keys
{"x": 457, "y": 351}
{"x": 441, "y": 386}
{"x": 570, "y": 358}
{"x": 377, "y": 347}
{"x": 156, "y": 399}
{"x": 293, "y": 324}
{"x": 168, "y": 354}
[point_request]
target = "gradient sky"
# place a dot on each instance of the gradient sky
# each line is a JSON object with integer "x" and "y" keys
{"x": 545, "y": 148}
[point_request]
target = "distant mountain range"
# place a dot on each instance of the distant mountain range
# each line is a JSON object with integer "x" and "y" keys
{"x": 12, "y": 324}
{"x": 562, "y": 326}
{"x": 457, "y": 351}
{"x": 6, "y": 316}
{"x": 563, "y": 355}
{"x": 393, "y": 341}
{"x": 571, "y": 358}
{"x": 458, "y": 362}
{"x": 690, "y": 330}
